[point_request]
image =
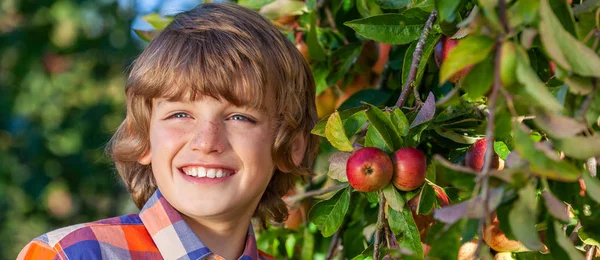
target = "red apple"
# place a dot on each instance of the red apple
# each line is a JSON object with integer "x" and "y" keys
{"x": 442, "y": 48}
{"x": 369, "y": 169}
{"x": 476, "y": 154}
{"x": 409, "y": 169}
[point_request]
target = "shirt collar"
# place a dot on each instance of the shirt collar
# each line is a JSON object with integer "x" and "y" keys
{"x": 173, "y": 236}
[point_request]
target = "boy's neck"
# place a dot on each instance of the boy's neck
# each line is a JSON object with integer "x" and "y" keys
{"x": 224, "y": 238}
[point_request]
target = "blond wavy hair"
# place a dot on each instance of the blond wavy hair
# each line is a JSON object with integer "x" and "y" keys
{"x": 229, "y": 52}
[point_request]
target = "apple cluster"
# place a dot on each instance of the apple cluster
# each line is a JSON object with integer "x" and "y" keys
{"x": 370, "y": 169}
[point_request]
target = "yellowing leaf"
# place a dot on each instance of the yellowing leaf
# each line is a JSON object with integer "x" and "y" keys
{"x": 334, "y": 132}
{"x": 469, "y": 51}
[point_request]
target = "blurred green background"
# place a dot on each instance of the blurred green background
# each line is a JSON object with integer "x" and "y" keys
{"x": 63, "y": 66}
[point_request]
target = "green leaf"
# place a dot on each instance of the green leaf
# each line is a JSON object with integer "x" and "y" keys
{"x": 579, "y": 85}
{"x": 319, "y": 129}
{"x": 471, "y": 50}
{"x": 522, "y": 218}
{"x": 535, "y": 89}
{"x": 563, "y": 48}
{"x": 479, "y": 80}
{"x": 254, "y": 4}
{"x": 368, "y": 8}
{"x": 446, "y": 9}
{"x": 539, "y": 163}
{"x": 392, "y": 4}
{"x": 374, "y": 138}
{"x": 355, "y": 122}
{"x": 353, "y": 240}
{"x": 334, "y": 132}
{"x": 592, "y": 186}
{"x": 341, "y": 61}
{"x": 523, "y": 12}
{"x": 378, "y": 128}
{"x": 445, "y": 240}
{"x": 427, "y": 51}
{"x": 388, "y": 28}
{"x": 372, "y": 96}
{"x": 427, "y": 198}
{"x": 329, "y": 214}
{"x": 579, "y": 147}
{"x": 456, "y": 137}
{"x": 147, "y": 36}
{"x": 320, "y": 72}
{"x": 159, "y": 23}
{"x": 399, "y": 122}
{"x": 308, "y": 244}
{"x": 501, "y": 149}
{"x": 393, "y": 197}
{"x": 565, "y": 244}
{"x": 406, "y": 231}
{"x": 337, "y": 166}
{"x": 315, "y": 49}
{"x": 564, "y": 14}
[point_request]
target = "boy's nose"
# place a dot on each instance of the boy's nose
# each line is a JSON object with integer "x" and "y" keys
{"x": 208, "y": 138}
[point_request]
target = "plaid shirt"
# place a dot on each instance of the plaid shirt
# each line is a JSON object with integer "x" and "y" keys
{"x": 157, "y": 232}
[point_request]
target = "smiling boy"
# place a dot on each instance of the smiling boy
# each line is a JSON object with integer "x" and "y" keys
{"x": 219, "y": 110}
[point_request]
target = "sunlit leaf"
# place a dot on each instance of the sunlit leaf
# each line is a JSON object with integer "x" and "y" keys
{"x": 158, "y": 22}
{"x": 471, "y": 50}
{"x": 319, "y": 129}
{"x": 279, "y": 8}
{"x": 329, "y": 214}
{"x": 456, "y": 137}
{"x": 334, "y": 132}
{"x": 254, "y": 4}
{"x": 388, "y": 28}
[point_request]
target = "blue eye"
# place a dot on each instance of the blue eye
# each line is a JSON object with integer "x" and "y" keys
{"x": 180, "y": 115}
{"x": 241, "y": 118}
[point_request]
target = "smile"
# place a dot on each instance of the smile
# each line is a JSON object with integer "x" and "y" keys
{"x": 201, "y": 172}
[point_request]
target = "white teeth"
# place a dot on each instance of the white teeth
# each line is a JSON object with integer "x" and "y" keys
{"x": 210, "y": 173}
{"x": 201, "y": 172}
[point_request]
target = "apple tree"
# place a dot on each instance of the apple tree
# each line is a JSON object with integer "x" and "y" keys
{"x": 487, "y": 110}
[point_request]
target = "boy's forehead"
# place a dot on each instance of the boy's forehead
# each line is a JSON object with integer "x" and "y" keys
{"x": 162, "y": 101}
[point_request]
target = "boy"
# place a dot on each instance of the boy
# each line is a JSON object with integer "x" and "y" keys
{"x": 219, "y": 110}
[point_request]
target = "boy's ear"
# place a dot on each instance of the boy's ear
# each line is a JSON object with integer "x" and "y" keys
{"x": 146, "y": 158}
{"x": 298, "y": 148}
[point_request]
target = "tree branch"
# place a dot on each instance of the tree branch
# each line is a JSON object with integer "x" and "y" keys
{"x": 380, "y": 225}
{"x": 588, "y": 101}
{"x": 489, "y": 131}
{"x": 412, "y": 74}
{"x": 589, "y": 255}
{"x": 334, "y": 245}
{"x": 298, "y": 197}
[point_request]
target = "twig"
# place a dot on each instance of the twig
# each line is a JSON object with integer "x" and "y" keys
{"x": 331, "y": 21}
{"x": 333, "y": 246}
{"x": 298, "y": 197}
{"x": 380, "y": 219}
{"x": 574, "y": 237}
{"x": 412, "y": 74}
{"x": 489, "y": 131}
{"x": 416, "y": 95}
{"x": 588, "y": 101}
{"x": 589, "y": 255}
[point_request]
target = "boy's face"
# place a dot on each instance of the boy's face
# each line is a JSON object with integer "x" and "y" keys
{"x": 230, "y": 145}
